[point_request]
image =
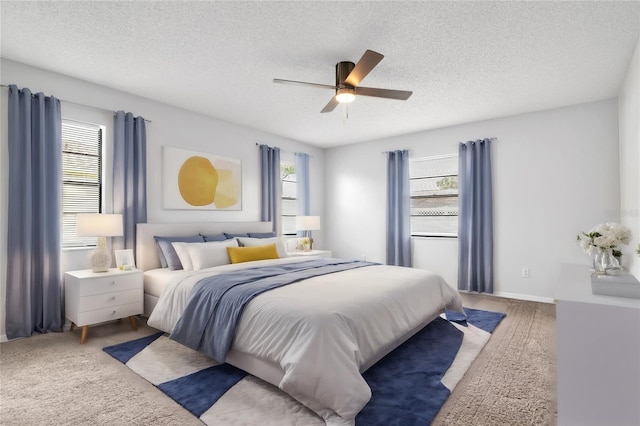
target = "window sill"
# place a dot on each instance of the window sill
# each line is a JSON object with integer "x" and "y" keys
{"x": 435, "y": 237}
{"x": 78, "y": 248}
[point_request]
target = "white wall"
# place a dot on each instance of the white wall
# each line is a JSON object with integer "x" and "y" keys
{"x": 555, "y": 173}
{"x": 169, "y": 126}
{"x": 4, "y": 178}
{"x": 629, "y": 113}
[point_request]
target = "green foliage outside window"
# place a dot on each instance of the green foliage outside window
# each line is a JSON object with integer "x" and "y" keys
{"x": 449, "y": 182}
{"x": 286, "y": 170}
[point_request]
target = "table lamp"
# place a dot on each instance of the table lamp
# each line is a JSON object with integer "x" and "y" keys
{"x": 308, "y": 224}
{"x": 101, "y": 226}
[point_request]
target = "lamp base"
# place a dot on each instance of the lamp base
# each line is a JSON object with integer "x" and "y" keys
{"x": 309, "y": 247}
{"x": 101, "y": 258}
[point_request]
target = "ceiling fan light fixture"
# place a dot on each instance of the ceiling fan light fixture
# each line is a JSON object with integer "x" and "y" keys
{"x": 345, "y": 95}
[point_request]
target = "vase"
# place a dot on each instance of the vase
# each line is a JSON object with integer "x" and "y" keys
{"x": 605, "y": 263}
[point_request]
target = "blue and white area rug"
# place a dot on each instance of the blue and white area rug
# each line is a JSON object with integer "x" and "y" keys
{"x": 408, "y": 386}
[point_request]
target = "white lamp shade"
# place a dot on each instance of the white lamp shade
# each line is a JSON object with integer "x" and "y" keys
{"x": 99, "y": 225}
{"x": 307, "y": 223}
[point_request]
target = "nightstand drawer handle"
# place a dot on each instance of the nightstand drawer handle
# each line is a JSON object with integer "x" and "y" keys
{"x": 113, "y": 313}
{"x": 113, "y": 298}
{"x": 113, "y": 283}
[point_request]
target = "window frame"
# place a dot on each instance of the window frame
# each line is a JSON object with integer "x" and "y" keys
{"x": 283, "y": 198}
{"x": 85, "y": 242}
{"x": 415, "y": 234}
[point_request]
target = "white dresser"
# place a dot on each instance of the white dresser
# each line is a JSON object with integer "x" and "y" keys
{"x": 598, "y": 354}
{"x": 92, "y": 298}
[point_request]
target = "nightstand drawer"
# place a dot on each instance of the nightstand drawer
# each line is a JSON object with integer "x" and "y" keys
{"x": 108, "y": 314}
{"x": 109, "y": 284}
{"x": 100, "y": 301}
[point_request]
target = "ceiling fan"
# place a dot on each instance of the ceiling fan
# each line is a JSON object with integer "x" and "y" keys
{"x": 348, "y": 77}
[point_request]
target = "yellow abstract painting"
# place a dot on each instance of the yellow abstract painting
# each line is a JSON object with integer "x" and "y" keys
{"x": 194, "y": 180}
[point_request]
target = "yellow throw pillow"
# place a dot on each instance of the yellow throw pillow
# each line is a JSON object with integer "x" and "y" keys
{"x": 248, "y": 254}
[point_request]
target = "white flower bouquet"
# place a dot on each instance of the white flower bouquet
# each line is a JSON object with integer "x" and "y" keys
{"x": 606, "y": 236}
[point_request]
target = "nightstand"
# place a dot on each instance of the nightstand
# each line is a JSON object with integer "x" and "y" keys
{"x": 95, "y": 297}
{"x": 321, "y": 253}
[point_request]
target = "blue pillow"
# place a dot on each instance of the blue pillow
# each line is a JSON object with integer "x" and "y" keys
{"x": 229, "y": 236}
{"x": 216, "y": 237}
{"x": 262, "y": 234}
{"x": 167, "y": 254}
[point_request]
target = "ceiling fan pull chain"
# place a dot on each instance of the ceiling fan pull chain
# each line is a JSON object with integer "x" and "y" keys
{"x": 345, "y": 115}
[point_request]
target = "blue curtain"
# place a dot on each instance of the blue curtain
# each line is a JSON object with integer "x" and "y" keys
{"x": 475, "y": 227}
{"x": 398, "y": 209}
{"x": 270, "y": 186}
{"x": 34, "y": 278}
{"x": 303, "y": 193}
{"x": 129, "y": 175}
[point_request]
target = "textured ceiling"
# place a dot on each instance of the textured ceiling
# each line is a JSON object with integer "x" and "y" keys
{"x": 464, "y": 61}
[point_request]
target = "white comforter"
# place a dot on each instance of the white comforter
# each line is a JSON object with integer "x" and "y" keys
{"x": 324, "y": 331}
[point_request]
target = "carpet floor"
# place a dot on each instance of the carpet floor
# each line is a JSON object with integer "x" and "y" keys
{"x": 408, "y": 386}
{"x": 52, "y": 379}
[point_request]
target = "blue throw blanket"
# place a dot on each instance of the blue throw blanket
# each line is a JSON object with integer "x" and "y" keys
{"x": 208, "y": 323}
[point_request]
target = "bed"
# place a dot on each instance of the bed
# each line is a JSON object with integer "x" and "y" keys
{"x": 312, "y": 338}
{"x": 155, "y": 277}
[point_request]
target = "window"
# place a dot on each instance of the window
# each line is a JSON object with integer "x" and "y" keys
{"x": 433, "y": 182}
{"x": 289, "y": 197}
{"x": 81, "y": 177}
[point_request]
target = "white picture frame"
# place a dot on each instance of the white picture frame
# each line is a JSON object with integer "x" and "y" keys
{"x": 125, "y": 259}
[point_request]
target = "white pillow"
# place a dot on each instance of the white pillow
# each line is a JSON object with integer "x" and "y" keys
{"x": 183, "y": 255}
{"x": 207, "y": 255}
{"x": 251, "y": 242}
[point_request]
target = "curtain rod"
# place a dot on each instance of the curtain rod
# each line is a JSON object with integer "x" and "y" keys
{"x": 83, "y": 105}
{"x": 258, "y": 144}
{"x": 384, "y": 152}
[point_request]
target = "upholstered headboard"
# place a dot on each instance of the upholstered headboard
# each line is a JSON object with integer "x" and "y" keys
{"x": 146, "y": 253}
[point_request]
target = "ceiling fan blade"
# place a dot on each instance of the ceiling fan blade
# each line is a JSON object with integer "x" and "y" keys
{"x": 364, "y": 66}
{"x": 302, "y": 83}
{"x": 333, "y": 103}
{"x": 402, "y": 95}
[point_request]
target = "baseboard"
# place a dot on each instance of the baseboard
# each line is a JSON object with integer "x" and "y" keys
{"x": 525, "y": 297}
{"x": 65, "y": 327}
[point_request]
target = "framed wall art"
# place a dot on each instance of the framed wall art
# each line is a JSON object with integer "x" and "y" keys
{"x": 201, "y": 181}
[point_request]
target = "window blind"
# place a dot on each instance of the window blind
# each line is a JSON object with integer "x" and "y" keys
{"x": 81, "y": 177}
{"x": 433, "y": 183}
{"x": 289, "y": 198}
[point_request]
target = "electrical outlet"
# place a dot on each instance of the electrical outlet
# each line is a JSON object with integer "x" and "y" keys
{"x": 525, "y": 272}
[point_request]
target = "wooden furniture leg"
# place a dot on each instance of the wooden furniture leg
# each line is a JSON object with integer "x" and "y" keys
{"x": 83, "y": 336}
{"x": 73, "y": 326}
{"x": 134, "y": 325}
